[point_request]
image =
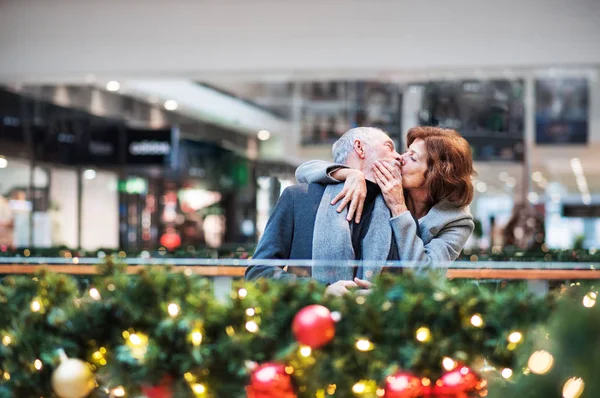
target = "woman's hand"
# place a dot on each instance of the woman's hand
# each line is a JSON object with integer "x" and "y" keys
{"x": 354, "y": 192}
{"x": 389, "y": 179}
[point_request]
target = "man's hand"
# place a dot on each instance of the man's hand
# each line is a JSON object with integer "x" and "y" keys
{"x": 354, "y": 192}
{"x": 365, "y": 286}
{"x": 339, "y": 288}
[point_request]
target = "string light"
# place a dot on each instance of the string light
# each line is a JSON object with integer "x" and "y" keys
{"x": 173, "y": 310}
{"x": 138, "y": 344}
{"x": 589, "y": 300}
{"x": 250, "y": 312}
{"x": 289, "y": 370}
{"x": 6, "y": 376}
{"x": 507, "y": 373}
{"x": 423, "y": 334}
{"x": 37, "y": 364}
{"x": 448, "y": 363}
{"x": 305, "y": 351}
{"x": 515, "y": 337}
{"x": 573, "y": 388}
{"x": 364, "y": 345}
{"x": 198, "y": 388}
{"x": 477, "y": 320}
{"x": 358, "y": 388}
{"x": 251, "y": 326}
{"x": 540, "y": 362}
{"x": 242, "y": 293}
{"x": 196, "y": 337}
{"x": 95, "y": 294}
{"x": 380, "y": 392}
{"x": 36, "y": 306}
{"x": 6, "y": 340}
{"x": 119, "y": 391}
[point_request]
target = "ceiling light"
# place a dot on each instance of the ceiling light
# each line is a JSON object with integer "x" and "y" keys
{"x": 533, "y": 197}
{"x": 89, "y": 174}
{"x": 113, "y": 85}
{"x": 586, "y": 198}
{"x": 481, "y": 186}
{"x": 171, "y": 105}
{"x": 264, "y": 135}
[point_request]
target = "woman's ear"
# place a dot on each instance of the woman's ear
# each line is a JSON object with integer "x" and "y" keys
{"x": 359, "y": 148}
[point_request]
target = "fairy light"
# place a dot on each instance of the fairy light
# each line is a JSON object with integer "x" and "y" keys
{"x": 380, "y": 392}
{"x": 198, "y": 388}
{"x": 196, "y": 337}
{"x": 477, "y": 320}
{"x": 540, "y": 362}
{"x": 448, "y": 363}
{"x": 305, "y": 351}
{"x": 589, "y": 300}
{"x": 507, "y": 373}
{"x": 331, "y": 389}
{"x": 95, "y": 294}
{"x": 119, "y": 391}
{"x": 358, "y": 388}
{"x": 6, "y": 376}
{"x": 364, "y": 345}
{"x": 242, "y": 293}
{"x": 250, "y": 312}
{"x": 36, "y": 306}
{"x": 289, "y": 370}
{"x": 573, "y": 388}
{"x": 515, "y": 337}
{"x": 138, "y": 343}
{"x": 251, "y": 326}
{"x": 173, "y": 310}
{"x": 6, "y": 340}
{"x": 423, "y": 334}
{"x": 425, "y": 382}
{"x": 37, "y": 364}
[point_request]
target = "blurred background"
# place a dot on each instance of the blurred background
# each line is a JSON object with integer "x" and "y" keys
{"x": 144, "y": 124}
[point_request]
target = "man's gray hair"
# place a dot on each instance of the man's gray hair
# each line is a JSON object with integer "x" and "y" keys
{"x": 345, "y": 144}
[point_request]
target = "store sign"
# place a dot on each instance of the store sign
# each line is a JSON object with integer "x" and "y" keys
{"x": 102, "y": 144}
{"x": 149, "y": 147}
{"x": 581, "y": 211}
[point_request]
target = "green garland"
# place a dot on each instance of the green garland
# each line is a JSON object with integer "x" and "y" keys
{"x": 508, "y": 253}
{"x": 84, "y": 323}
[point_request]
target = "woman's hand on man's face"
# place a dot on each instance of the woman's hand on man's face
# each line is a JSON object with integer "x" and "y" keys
{"x": 389, "y": 179}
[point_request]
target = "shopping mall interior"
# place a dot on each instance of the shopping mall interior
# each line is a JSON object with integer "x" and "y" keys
{"x": 168, "y": 130}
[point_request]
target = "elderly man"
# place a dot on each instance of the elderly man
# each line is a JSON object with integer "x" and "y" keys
{"x": 304, "y": 225}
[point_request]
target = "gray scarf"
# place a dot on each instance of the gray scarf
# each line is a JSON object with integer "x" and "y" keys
{"x": 332, "y": 240}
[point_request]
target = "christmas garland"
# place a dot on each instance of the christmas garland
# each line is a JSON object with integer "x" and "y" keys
{"x": 507, "y": 253}
{"x": 164, "y": 334}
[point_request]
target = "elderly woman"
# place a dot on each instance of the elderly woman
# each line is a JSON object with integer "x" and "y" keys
{"x": 428, "y": 193}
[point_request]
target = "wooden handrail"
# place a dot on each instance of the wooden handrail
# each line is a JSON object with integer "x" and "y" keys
{"x": 237, "y": 272}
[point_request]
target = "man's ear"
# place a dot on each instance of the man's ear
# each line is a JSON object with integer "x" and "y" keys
{"x": 359, "y": 148}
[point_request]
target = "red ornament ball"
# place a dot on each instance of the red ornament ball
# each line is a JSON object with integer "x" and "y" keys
{"x": 162, "y": 390}
{"x": 313, "y": 326}
{"x": 403, "y": 385}
{"x": 460, "y": 382}
{"x": 270, "y": 380}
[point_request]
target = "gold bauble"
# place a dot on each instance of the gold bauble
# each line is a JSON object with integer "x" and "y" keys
{"x": 73, "y": 378}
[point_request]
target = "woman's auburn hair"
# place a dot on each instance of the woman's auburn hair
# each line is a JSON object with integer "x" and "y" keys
{"x": 449, "y": 164}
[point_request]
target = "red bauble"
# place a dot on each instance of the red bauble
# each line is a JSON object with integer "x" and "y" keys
{"x": 403, "y": 385}
{"x": 159, "y": 391}
{"x": 461, "y": 382}
{"x": 313, "y": 326}
{"x": 270, "y": 381}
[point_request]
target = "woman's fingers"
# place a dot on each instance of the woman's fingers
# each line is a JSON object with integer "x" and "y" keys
{"x": 383, "y": 168}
